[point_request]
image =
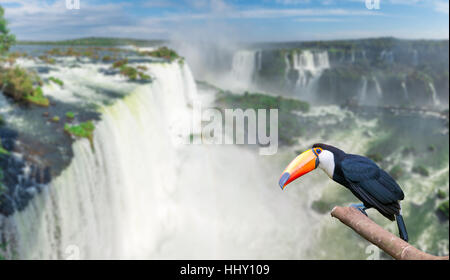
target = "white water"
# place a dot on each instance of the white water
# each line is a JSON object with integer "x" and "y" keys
{"x": 363, "y": 91}
{"x": 309, "y": 66}
{"x": 387, "y": 56}
{"x": 405, "y": 90}
{"x": 142, "y": 194}
{"x": 243, "y": 69}
{"x": 378, "y": 87}
{"x": 434, "y": 95}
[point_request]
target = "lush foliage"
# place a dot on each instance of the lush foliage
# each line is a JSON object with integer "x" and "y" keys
{"x": 444, "y": 208}
{"x": 84, "y": 130}
{"x": 289, "y": 126}
{"x": 70, "y": 115}
{"x": 22, "y": 86}
{"x": 129, "y": 71}
{"x": 6, "y": 39}
{"x": 420, "y": 169}
{"x": 162, "y": 52}
{"x": 56, "y": 81}
{"x": 263, "y": 101}
{"x": 3, "y": 151}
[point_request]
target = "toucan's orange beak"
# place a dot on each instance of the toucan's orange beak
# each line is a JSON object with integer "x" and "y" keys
{"x": 302, "y": 164}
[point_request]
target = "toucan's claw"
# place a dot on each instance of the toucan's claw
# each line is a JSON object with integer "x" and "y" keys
{"x": 360, "y": 207}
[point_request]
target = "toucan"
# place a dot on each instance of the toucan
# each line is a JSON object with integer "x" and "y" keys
{"x": 368, "y": 182}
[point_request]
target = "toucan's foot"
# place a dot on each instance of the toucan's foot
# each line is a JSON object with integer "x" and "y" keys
{"x": 360, "y": 207}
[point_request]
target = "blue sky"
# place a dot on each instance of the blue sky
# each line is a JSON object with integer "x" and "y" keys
{"x": 249, "y": 20}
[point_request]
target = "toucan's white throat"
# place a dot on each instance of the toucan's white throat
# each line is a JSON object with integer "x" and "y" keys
{"x": 326, "y": 162}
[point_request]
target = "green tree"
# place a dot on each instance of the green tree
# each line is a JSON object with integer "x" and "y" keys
{"x": 6, "y": 39}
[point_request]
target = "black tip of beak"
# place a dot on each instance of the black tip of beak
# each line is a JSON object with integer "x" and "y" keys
{"x": 284, "y": 179}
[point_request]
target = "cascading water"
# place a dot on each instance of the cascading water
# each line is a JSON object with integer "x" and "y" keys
{"x": 141, "y": 193}
{"x": 405, "y": 91}
{"x": 309, "y": 66}
{"x": 363, "y": 91}
{"x": 378, "y": 87}
{"x": 243, "y": 67}
{"x": 433, "y": 94}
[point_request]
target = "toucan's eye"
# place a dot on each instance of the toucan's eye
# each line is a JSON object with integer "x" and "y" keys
{"x": 318, "y": 151}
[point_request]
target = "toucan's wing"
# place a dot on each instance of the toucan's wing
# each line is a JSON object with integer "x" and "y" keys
{"x": 363, "y": 173}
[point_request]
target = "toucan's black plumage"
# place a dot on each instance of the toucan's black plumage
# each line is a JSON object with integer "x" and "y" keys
{"x": 369, "y": 183}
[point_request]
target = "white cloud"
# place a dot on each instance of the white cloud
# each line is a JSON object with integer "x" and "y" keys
{"x": 281, "y": 13}
{"x": 43, "y": 20}
{"x": 40, "y": 20}
{"x": 441, "y": 7}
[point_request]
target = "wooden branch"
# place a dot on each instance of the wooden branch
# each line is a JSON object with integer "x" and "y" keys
{"x": 386, "y": 241}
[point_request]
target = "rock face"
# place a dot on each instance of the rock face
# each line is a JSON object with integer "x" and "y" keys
{"x": 375, "y": 71}
{"x": 21, "y": 178}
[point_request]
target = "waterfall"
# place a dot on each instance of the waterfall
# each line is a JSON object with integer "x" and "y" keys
{"x": 433, "y": 94}
{"x": 405, "y": 90}
{"x": 378, "y": 87}
{"x": 387, "y": 56}
{"x": 363, "y": 91}
{"x": 141, "y": 193}
{"x": 244, "y": 67}
{"x": 259, "y": 60}
{"x": 309, "y": 67}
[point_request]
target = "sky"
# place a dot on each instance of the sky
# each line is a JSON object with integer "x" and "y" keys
{"x": 243, "y": 20}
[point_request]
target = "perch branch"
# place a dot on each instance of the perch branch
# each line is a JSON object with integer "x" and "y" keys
{"x": 386, "y": 241}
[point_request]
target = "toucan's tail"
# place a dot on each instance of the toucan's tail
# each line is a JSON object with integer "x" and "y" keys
{"x": 401, "y": 227}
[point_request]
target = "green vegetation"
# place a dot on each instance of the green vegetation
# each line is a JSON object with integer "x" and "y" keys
{"x": 273, "y": 67}
{"x": 443, "y": 208}
{"x": 107, "y": 58}
{"x": 38, "y": 98}
{"x": 46, "y": 59}
{"x": 262, "y": 101}
{"x": 420, "y": 169}
{"x": 6, "y": 39}
{"x": 181, "y": 61}
{"x": 131, "y": 72}
{"x": 55, "y": 119}
{"x": 83, "y": 130}
{"x": 20, "y": 85}
{"x": 70, "y": 115}
{"x": 3, "y": 151}
{"x": 86, "y": 52}
{"x": 143, "y": 76}
{"x": 56, "y": 81}
{"x": 289, "y": 126}
{"x": 441, "y": 194}
{"x": 162, "y": 52}
{"x": 120, "y": 63}
{"x": 408, "y": 151}
{"x": 11, "y": 57}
